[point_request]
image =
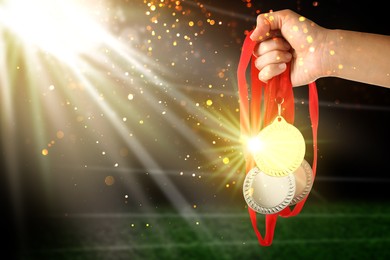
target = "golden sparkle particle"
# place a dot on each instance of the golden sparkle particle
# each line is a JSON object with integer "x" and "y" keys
{"x": 109, "y": 180}
{"x": 226, "y": 160}
{"x": 60, "y": 134}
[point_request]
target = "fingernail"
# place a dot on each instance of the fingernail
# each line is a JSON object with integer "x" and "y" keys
{"x": 282, "y": 66}
{"x": 262, "y": 77}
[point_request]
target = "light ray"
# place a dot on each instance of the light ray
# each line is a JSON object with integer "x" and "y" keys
{"x": 149, "y": 163}
{"x": 58, "y": 40}
{"x": 64, "y": 29}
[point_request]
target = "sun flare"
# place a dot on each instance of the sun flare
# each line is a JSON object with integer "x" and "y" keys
{"x": 62, "y": 28}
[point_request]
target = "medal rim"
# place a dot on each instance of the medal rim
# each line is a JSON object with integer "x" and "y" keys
{"x": 309, "y": 183}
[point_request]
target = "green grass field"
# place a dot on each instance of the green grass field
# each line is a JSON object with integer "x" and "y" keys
{"x": 321, "y": 231}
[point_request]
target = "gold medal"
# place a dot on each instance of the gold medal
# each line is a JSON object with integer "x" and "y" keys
{"x": 267, "y": 194}
{"x": 281, "y": 148}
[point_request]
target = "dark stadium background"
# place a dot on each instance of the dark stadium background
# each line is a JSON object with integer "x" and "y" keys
{"x": 353, "y": 162}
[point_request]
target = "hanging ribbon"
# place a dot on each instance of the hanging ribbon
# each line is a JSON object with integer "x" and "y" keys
{"x": 250, "y": 121}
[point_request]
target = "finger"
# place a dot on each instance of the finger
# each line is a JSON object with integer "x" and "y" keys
{"x": 271, "y": 71}
{"x": 273, "y": 57}
{"x": 268, "y": 22}
{"x": 263, "y": 28}
{"x": 277, "y": 43}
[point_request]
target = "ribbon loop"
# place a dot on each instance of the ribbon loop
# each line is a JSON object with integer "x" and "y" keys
{"x": 277, "y": 91}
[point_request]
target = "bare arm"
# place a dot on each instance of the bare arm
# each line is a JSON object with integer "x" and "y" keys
{"x": 319, "y": 52}
{"x": 358, "y": 56}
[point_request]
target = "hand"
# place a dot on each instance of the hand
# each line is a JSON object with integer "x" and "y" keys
{"x": 284, "y": 36}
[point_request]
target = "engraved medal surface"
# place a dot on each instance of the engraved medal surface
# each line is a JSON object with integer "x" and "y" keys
{"x": 303, "y": 182}
{"x": 267, "y": 194}
{"x": 281, "y": 148}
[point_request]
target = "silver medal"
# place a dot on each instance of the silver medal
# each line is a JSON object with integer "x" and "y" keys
{"x": 268, "y": 194}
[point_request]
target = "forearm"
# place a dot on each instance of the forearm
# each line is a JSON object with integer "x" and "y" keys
{"x": 358, "y": 56}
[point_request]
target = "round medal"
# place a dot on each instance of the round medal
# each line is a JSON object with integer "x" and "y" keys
{"x": 281, "y": 148}
{"x": 267, "y": 194}
{"x": 303, "y": 182}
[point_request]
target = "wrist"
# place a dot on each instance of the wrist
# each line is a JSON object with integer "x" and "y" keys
{"x": 330, "y": 54}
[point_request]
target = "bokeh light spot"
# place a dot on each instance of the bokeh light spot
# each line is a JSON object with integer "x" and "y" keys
{"x": 45, "y": 152}
{"x": 226, "y": 160}
{"x": 109, "y": 180}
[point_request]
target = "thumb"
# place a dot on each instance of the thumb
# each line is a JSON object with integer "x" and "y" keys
{"x": 268, "y": 23}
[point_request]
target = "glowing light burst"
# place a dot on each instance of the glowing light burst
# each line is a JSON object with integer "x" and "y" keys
{"x": 223, "y": 126}
{"x": 82, "y": 81}
{"x": 255, "y": 144}
{"x": 73, "y": 68}
{"x": 62, "y": 28}
{"x": 110, "y": 91}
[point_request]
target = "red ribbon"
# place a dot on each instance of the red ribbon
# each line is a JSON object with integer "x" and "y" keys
{"x": 251, "y": 122}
